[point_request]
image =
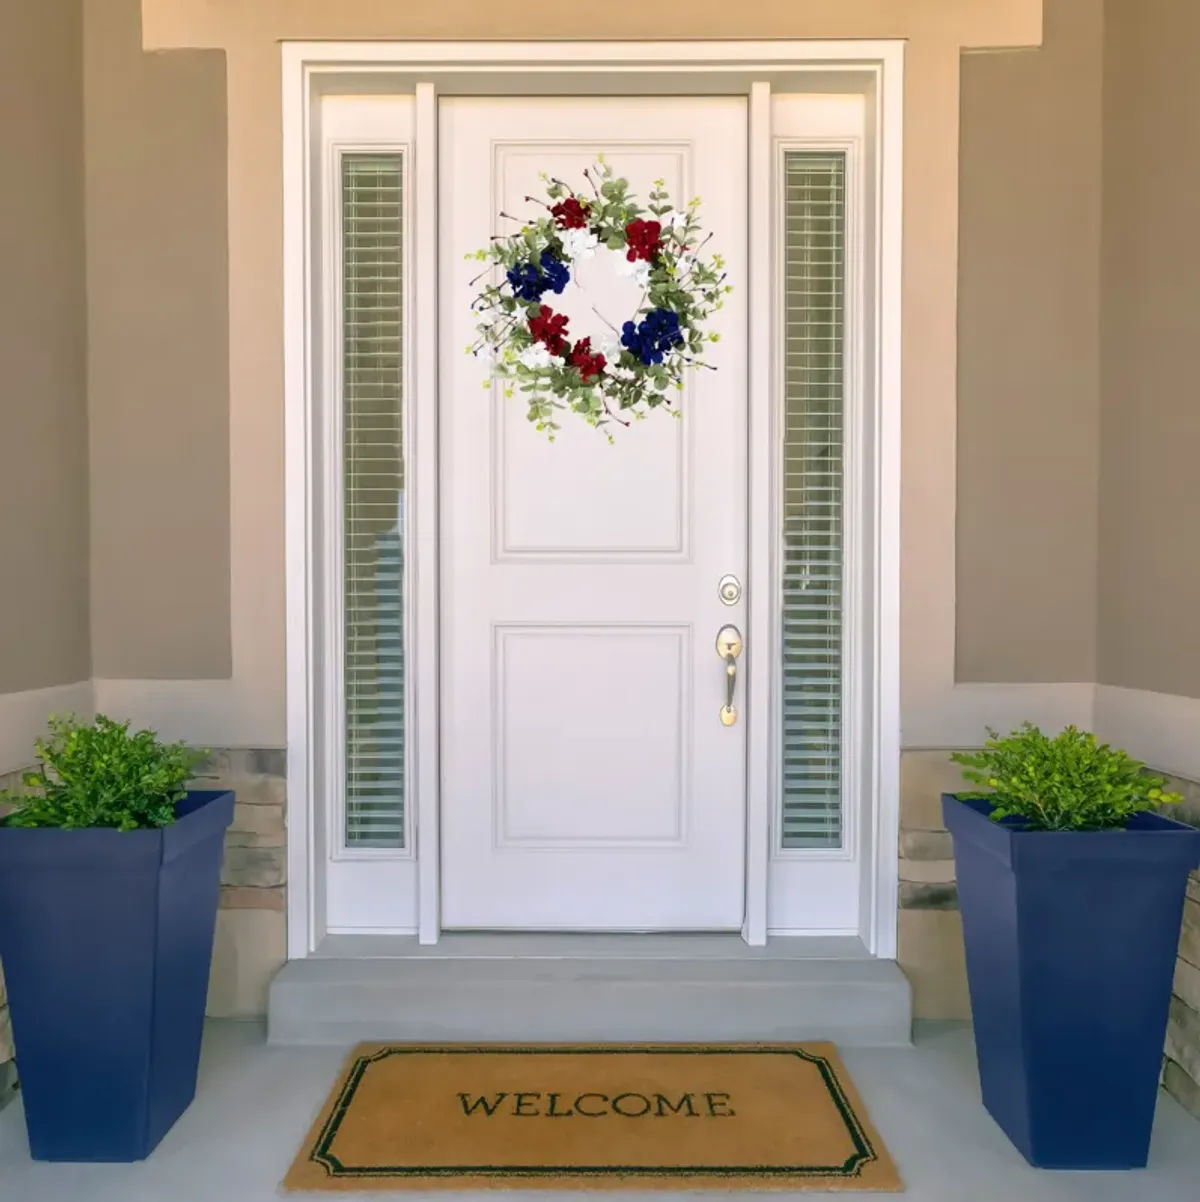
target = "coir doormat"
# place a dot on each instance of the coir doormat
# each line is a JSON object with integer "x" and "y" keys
{"x": 728, "y": 1117}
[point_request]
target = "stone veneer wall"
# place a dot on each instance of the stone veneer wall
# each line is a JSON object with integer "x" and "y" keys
{"x": 251, "y": 936}
{"x": 1181, "y": 1068}
{"x": 250, "y": 943}
{"x": 8, "y": 1069}
{"x": 931, "y": 945}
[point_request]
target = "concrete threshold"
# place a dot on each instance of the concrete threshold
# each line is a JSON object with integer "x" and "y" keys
{"x": 491, "y": 988}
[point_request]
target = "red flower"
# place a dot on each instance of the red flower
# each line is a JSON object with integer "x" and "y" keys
{"x": 570, "y": 214}
{"x": 550, "y": 329}
{"x": 589, "y": 364}
{"x": 643, "y": 239}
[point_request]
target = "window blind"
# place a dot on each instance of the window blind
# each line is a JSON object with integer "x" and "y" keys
{"x": 373, "y": 501}
{"x": 814, "y": 309}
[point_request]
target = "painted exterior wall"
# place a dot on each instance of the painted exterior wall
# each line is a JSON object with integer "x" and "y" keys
{"x": 158, "y": 362}
{"x": 249, "y": 707}
{"x": 1029, "y": 355}
{"x": 1029, "y": 379}
{"x": 1149, "y": 503}
{"x": 43, "y": 333}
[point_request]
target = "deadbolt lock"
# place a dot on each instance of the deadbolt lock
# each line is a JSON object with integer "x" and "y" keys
{"x": 729, "y": 589}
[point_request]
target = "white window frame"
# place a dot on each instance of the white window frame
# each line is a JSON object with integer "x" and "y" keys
{"x": 419, "y": 71}
{"x": 812, "y": 880}
{"x": 385, "y": 125}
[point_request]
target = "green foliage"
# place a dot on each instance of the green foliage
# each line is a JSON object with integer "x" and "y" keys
{"x": 100, "y": 775}
{"x": 1070, "y": 782}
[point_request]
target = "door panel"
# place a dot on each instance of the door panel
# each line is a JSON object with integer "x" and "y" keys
{"x": 588, "y": 782}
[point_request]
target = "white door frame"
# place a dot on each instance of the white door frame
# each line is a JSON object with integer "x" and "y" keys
{"x": 757, "y": 69}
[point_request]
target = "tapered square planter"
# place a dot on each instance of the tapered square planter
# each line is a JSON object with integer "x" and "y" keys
{"x": 1071, "y": 942}
{"x": 106, "y": 939}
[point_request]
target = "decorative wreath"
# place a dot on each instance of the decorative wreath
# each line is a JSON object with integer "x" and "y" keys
{"x": 635, "y": 368}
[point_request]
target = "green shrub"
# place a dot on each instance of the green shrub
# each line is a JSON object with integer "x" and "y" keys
{"x": 100, "y": 775}
{"x": 1070, "y": 782}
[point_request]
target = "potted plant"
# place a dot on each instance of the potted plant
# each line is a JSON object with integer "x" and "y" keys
{"x": 1071, "y": 888}
{"x": 109, "y": 880}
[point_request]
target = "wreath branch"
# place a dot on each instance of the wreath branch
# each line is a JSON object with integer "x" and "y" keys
{"x": 605, "y": 320}
{"x": 619, "y": 420}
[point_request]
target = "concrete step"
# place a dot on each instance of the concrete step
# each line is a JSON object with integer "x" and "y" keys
{"x": 620, "y": 988}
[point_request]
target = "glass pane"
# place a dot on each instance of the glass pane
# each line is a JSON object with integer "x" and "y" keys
{"x": 814, "y": 246}
{"x": 373, "y": 462}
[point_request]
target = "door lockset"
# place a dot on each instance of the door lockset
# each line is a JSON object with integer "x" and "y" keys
{"x": 729, "y": 648}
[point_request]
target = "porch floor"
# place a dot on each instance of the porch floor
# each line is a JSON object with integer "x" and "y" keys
{"x": 255, "y": 1104}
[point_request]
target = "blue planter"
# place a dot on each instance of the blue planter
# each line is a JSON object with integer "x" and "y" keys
{"x": 1071, "y": 945}
{"x": 106, "y": 939}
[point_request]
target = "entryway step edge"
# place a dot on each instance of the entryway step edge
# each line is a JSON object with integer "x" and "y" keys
{"x": 333, "y": 1002}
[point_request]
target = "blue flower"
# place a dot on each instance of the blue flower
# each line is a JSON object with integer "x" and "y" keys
{"x": 558, "y": 275}
{"x": 526, "y": 280}
{"x": 530, "y": 280}
{"x": 653, "y": 336}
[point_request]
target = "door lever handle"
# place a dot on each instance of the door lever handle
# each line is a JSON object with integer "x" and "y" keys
{"x": 729, "y": 648}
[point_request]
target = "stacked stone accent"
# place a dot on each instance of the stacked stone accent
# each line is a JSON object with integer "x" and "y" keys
{"x": 1181, "y": 1066}
{"x": 251, "y": 937}
{"x": 930, "y": 932}
{"x": 8, "y": 1068}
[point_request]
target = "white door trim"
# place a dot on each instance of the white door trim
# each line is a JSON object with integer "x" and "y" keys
{"x": 423, "y": 698}
{"x": 763, "y": 485}
{"x": 421, "y": 69}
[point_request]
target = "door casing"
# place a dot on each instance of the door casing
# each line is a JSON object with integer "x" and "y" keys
{"x": 762, "y": 71}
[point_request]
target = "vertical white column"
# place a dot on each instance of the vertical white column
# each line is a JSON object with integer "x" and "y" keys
{"x": 761, "y": 638}
{"x": 423, "y": 485}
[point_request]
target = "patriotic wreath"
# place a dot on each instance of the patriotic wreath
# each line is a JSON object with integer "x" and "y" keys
{"x": 633, "y": 369}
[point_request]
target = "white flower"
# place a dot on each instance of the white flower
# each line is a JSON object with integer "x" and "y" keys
{"x": 639, "y": 269}
{"x": 609, "y": 346}
{"x": 535, "y": 357}
{"x": 579, "y": 244}
{"x": 674, "y": 220}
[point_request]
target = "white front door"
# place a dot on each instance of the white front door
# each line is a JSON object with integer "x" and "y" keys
{"x": 588, "y": 782}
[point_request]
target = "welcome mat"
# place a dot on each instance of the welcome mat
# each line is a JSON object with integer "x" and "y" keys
{"x": 729, "y": 1117}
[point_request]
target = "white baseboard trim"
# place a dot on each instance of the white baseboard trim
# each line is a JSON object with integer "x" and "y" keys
{"x": 957, "y": 716}
{"x": 207, "y": 713}
{"x": 1158, "y": 728}
{"x": 23, "y": 719}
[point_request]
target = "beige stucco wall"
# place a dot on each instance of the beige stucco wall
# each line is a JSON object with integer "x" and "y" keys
{"x": 1149, "y": 632}
{"x": 186, "y": 454}
{"x": 158, "y": 364}
{"x": 1029, "y": 354}
{"x": 250, "y": 34}
{"x": 43, "y": 415}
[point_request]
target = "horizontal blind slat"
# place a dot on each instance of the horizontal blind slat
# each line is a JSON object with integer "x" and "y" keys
{"x": 373, "y": 459}
{"x": 814, "y": 306}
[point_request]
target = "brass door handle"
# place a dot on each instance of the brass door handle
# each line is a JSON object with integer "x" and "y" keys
{"x": 729, "y": 647}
